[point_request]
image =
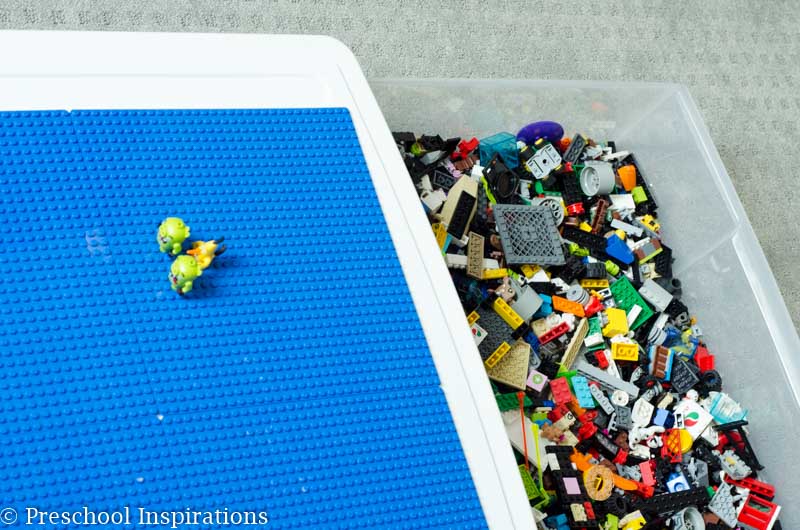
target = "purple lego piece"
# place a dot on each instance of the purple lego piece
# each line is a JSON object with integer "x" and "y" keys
{"x": 549, "y": 130}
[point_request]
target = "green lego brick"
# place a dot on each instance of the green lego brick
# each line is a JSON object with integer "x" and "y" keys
{"x": 594, "y": 326}
{"x": 506, "y": 402}
{"x": 626, "y": 297}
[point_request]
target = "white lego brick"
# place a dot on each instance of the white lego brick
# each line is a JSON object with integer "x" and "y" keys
{"x": 656, "y": 295}
{"x": 627, "y": 228}
{"x": 633, "y": 314}
{"x": 425, "y": 183}
{"x": 433, "y": 200}
{"x": 619, "y": 155}
{"x": 622, "y": 202}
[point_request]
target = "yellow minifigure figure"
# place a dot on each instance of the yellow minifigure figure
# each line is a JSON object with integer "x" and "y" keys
{"x": 204, "y": 252}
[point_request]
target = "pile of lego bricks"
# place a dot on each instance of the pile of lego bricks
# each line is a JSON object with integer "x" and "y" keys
{"x": 607, "y": 390}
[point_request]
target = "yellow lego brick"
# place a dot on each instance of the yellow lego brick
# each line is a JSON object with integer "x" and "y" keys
{"x": 472, "y": 318}
{"x": 496, "y": 355}
{"x": 621, "y": 351}
{"x": 633, "y": 521}
{"x": 440, "y": 232}
{"x": 621, "y": 233}
{"x": 509, "y": 315}
{"x": 589, "y": 283}
{"x": 617, "y": 322}
{"x": 586, "y": 227}
{"x": 529, "y": 270}
{"x": 650, "y": 222}
{"x": 494, "y": 274}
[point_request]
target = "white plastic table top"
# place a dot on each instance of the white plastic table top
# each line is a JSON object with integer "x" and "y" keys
{"x": 69, "y": 70}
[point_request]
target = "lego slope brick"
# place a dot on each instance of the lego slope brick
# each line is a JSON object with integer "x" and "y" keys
{"x": 294, "y": 378}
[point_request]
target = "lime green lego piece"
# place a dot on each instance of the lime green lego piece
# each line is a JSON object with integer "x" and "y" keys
{"x": 489, "y": 194}
{"x": 506, "y": 402}
{"x": 626, "y": 297}
{"x": 538, "y": 416}
{"x": 578, "y": 250}
{"x": 612, "y": 268}
{"x": 534, "y": 492}
{"x": 416, "y": 149}
{"x": 527, "y": 481}
{"x": 612, "y": 522}
{"x": 562, "y": 373}
{"x": 638, "y": 195}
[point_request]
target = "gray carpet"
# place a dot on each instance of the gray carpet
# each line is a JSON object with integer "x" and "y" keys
{"x": 739, "y": 59}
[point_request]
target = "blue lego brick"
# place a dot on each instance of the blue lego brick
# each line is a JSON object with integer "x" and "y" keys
{"x": 617, "y": 249}
{"x": 580, "y": 387}
{"x": 661, "y": 418}
{"x": 294, "y": 378}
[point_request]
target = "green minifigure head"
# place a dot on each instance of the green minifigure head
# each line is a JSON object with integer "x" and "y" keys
{"x": 171, "y": 235}
{"x": 182, "y": 273}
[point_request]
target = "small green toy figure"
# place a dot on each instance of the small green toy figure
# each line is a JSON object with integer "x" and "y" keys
{"x": 182, "y": 274}
{"x": 171, "y": 235}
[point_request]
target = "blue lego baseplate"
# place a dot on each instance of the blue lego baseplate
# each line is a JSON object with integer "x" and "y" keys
{"x": 294, "y": 379}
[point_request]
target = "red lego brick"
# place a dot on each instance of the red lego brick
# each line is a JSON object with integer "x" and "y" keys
{"x": 648, "y": 474}
{"x": 464, "y": 149}
{"x": 586, "y": 430}
{"x": 762, "y": 489}
{"x": 575, "y": 209}
{"x": 554, "y": 333}
{"x": 593, "y": 307}
{"x": 644, "y": 490}
{"x": 703, "y": 359}
{"x": 602, "y": 360}
{"x": 560, "y": 389}
{"x": 759, "y": 513}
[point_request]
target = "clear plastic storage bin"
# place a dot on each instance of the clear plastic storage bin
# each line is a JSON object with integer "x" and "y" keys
{"x": 727, "y": 282}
